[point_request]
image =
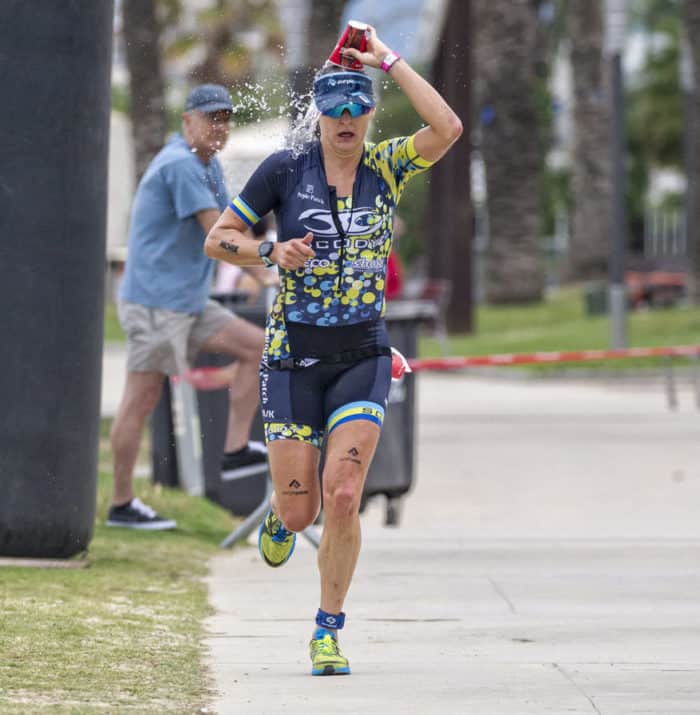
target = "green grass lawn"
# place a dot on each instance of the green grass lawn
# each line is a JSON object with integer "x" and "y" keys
{"x": 123, "y": 635}
{"x": 112, "y": 330}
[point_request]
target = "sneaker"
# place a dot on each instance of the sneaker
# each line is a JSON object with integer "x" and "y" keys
{"x": 257, "y": 446}
{"x": 137, "y": 515}
{"x": 326, "y": 658}
{"x": 250, "y": 460}
{"x": 275, "y": 543}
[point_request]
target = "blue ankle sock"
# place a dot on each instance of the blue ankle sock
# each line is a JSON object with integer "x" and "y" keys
{"x": 333, "y": 621}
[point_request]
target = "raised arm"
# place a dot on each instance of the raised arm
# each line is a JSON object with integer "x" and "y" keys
{"x": 443, "y": 125}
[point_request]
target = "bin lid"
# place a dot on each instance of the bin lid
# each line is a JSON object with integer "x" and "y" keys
{"x": 411, "y": 310}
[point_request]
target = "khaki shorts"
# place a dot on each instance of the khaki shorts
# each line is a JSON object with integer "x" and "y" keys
{"x": 164, "y": 341}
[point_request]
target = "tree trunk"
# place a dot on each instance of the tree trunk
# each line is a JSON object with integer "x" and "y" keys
{"x": 591, "y": 179}
{"x": 449, "y": 226}
{"x": 314, "y": 41}
{"x": 691, "y": 11}
{"x": 324, "y": 29}
{"x": 506, "y": 32}
{"x": 147, "y": 96}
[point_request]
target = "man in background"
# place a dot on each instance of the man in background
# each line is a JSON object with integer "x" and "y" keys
{"x": 164, "y": 304}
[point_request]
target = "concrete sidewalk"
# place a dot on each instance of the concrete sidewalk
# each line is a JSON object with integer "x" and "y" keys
{"x": 548, "y": 561}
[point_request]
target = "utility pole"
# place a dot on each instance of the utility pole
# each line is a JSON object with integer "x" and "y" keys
{"x": 690, "y": 148}
{"x": 617, "y": 294}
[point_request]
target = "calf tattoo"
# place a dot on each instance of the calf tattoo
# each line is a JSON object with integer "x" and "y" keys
{"x": 353, "y": 452}
{"x": 230, "y": 247}
{"x": 296, "y": 488}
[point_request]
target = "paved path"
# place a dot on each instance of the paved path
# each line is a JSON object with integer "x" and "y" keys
{"x": 548, "y": 561}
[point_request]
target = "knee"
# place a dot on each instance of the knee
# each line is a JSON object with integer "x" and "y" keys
{"x": 342, "y": 500}
{"x": 146, "y": 401}
{"x": 139, "y": 405}
{"x": 297, "y": 517}
{"x": 257, "y": 345}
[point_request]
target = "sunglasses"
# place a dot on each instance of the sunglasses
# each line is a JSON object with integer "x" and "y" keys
{"x": 356, "y": 110}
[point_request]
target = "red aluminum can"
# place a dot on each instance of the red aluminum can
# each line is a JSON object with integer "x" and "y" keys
{"x": 355, "y": 36}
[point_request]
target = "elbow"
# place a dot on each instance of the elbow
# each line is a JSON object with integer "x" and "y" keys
{"x": 455, "y": 128}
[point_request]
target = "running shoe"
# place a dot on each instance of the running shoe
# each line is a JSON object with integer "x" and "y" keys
{"x": 326, "y": 658}
{"x": 250, "y": 460}
{"x": 137, "y": 515}
{"x": 275, "y": 543}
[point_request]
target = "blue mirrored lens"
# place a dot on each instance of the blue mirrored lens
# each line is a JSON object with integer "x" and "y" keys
{"x": 355, "y": 110}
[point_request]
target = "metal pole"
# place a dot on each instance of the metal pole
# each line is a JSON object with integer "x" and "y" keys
{"x": 689, "y": 154}
{"x": 617, "y": 293}
{"x": 671, "y": 392}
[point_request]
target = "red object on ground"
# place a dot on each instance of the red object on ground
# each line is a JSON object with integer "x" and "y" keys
{"x": 661, "y": 288}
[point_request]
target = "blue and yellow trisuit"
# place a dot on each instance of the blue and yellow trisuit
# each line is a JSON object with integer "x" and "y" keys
{"x": 327, "y": 353}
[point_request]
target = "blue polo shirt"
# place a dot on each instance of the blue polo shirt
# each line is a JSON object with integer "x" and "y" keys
{"x": 166, "y": 266}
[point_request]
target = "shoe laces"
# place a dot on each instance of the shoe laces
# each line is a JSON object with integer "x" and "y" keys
{"x": 281, "y": 535}
{"x": 139, "y": 506}
{"x": 327, "y": 645}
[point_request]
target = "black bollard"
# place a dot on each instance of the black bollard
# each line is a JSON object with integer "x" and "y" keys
{"x": 55, "y": 64}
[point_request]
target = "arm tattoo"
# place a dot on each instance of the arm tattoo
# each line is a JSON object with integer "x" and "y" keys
{"x": 230, "y": 247}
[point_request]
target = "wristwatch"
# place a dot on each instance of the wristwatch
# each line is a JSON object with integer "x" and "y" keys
{"x": 264, "y": 251}
{"x": 389, "y": 60}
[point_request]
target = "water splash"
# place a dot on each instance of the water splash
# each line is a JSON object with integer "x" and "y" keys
{"x": 259, "y": 102}
{"x": 302, "y": 130}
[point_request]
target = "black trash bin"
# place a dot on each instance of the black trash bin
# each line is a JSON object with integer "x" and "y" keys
{"x": 239, "y": 496}
{"x": 392, "y": 470}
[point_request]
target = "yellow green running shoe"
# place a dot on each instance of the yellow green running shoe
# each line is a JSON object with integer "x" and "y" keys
{"x": 275, "y": 543}
{"x": 326, "y": 658}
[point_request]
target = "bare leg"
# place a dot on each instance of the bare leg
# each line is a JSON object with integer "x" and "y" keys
{"x": 243, "y": 341}
{"x": 350, "y": 450}
{"x": 140, "y": 397}
{"x": 291, "y": 460}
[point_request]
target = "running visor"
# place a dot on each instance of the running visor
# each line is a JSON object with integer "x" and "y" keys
{"x": 356, "y": 110}
{"x": 332, "y": 90}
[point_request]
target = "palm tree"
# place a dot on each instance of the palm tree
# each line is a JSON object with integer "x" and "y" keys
{"x": 506, "y": 39}
{"x": 691, "y": 12}
{"x": 591, "y": 178}
{"x": 146, "y": 87}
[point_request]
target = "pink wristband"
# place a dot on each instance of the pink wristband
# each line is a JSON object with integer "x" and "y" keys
{"x": 389, "y": 61}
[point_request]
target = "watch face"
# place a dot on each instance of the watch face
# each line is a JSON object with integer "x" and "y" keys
{"x": 265, "y": 249}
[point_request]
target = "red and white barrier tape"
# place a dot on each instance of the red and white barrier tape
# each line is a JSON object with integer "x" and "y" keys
{"x": 456, "y": 363}
{"x": 216, "y": 378}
